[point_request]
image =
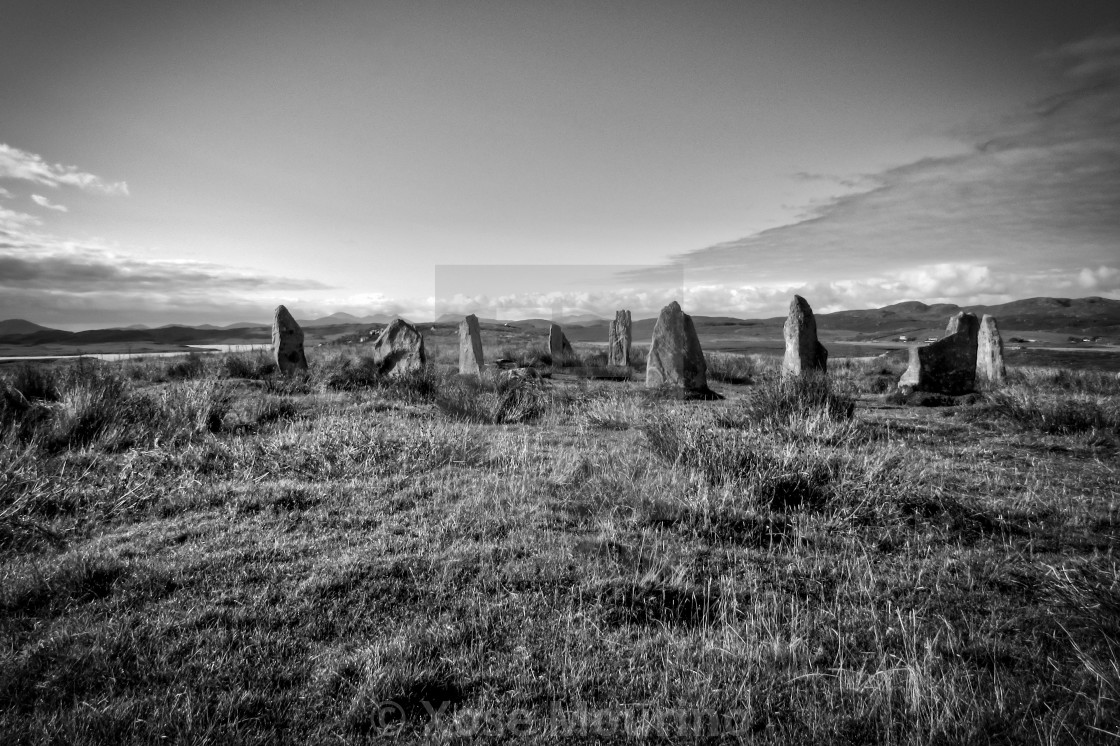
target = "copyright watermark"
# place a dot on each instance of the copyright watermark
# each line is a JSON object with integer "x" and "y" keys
{"x": 560, "y": 719}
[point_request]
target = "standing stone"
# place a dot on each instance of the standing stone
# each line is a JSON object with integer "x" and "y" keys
{"x": 287, "y": 342}
{"x": 962, "y": 320}
{"x": 675, "y": 358}
{"x": 558, "y": 345}
{"x": 989, "y": 353}
{"x": 470, "y": 347}
{"x": 804, "y": 352}
{"x": 947, "y": 366}
{"x": 618, "y": 342}
{"x": 399, "y": 349}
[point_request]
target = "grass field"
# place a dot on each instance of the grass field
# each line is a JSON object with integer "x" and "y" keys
{"x": 193, "y": 550}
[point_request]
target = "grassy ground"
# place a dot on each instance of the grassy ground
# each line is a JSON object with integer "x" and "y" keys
{"x": 197, "y": 551}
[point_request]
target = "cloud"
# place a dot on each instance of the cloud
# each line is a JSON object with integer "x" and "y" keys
{"x": 958, "y": 283}
{"x": 6, "y": 194}
{"x": 1101, "y": 279}
{"x": 19, "y": 164}
{"x": 962, "y": 284}
{"x": 52, "y": 280}
{"x": 1090, "y": 58}
{"x": 44, "y": 202}
{"x": 1035, "y": 195}
{"x": 11, "y": 220}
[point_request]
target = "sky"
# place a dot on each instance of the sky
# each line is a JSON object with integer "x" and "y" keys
{"x": 169, "y": 162}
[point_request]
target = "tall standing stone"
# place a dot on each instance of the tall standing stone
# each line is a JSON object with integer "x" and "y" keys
{"x": 558, "y": 345}
{"x": 470, "y": 347}
{"x": 675, "y": 357}
{"x": 399, "y": 349}
{"x": 618, "y": 341}
{"x": 804, "y": 352}
{"x": 287, "y": 342}
{"x": 947, "y": 366}
{"x": 989, "y": 353}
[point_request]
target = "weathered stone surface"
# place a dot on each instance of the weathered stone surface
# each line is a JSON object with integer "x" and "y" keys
{"x": 962, "y": 320}
{"x": 618, "y": 341}
{"x": 804, "y": 353}
{"x": 989, "y": 353}
{"x": 287, "y": 342}
{"x": 675, "y": 357}
{"x": 399, "y": 349}
{"x": 558, "y": 345}
{"x": 947, "y": 366}
{"x": 470, "y": 347}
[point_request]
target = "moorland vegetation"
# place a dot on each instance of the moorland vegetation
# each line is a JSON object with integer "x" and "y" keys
{"x": 200, "y": 550}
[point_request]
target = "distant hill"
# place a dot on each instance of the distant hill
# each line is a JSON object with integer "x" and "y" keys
{"x": 20, "y": 326}
{"x": 1064, "y": 315}
{"x": 583, "y": 319}
{"x": 333, "y": 320}
{"x": 1074, "y": 316}
{"x": 176, "y": 335}
{"x": 338, "y": 319}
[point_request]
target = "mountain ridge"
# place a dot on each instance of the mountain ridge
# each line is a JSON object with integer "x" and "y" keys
{"x": 1092, "y": 315}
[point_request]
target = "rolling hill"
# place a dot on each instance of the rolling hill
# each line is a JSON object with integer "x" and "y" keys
{"x": 1080, "y": 316}
{"x": 1073, "y": 316}
{"x": 13, "y": 327}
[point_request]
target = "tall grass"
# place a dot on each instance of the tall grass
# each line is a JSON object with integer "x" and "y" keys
{"x": 1098, "y": 382}
{"x": 729, "y": 368}
{"x": 777, "y": 402}
{"x": 218, "y": 559}
{"x": 1090, "y": 592}
{"x": 526, "y": 356}
{"x": 250, "y": 365}
{"x": 493, "y": 401}
{"x": 190, "y": 367}
{"x": 34, "y": 382}
{"x": 100, "y": 407}
{"x": 1044, "y": 412}
{"x": 877, "y": 375}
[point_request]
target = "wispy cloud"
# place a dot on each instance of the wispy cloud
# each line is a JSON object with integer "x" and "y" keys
{"x": 44, "y": 202}
{"x": 6, "y": 194}
{"x": 25, "y": 166}
{"x": 12, "y": 220}
{"x": 1035, "y": 196}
